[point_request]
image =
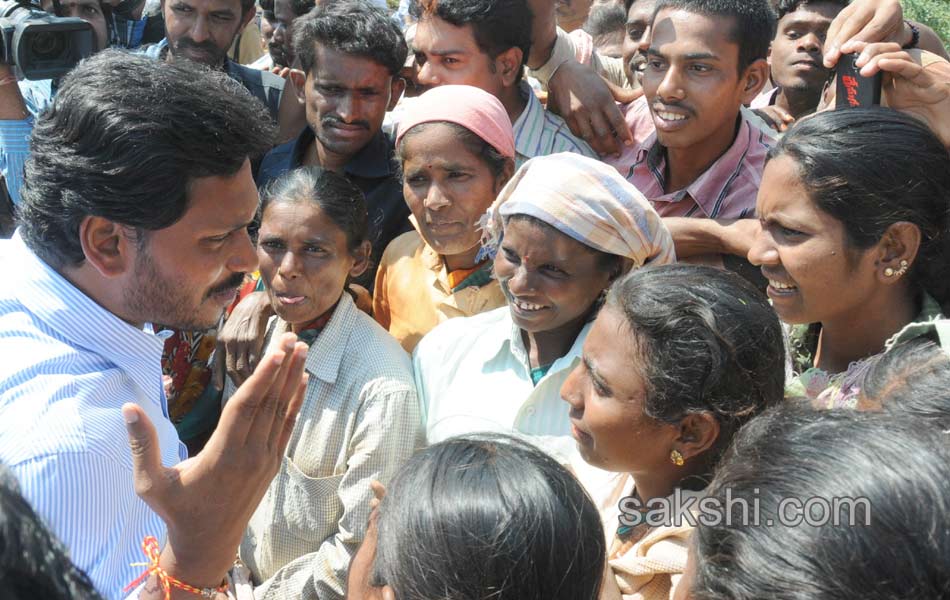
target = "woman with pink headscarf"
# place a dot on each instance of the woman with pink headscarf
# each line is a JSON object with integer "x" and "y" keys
{"x": 456, "y": 150}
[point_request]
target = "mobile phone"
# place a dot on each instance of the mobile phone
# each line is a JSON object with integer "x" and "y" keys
{"x": 853, "y": 89}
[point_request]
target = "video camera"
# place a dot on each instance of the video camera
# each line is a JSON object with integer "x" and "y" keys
{"x": 41, "y": 45}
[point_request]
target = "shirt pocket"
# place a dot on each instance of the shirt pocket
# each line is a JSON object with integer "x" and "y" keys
{"x": 311, "y": 506}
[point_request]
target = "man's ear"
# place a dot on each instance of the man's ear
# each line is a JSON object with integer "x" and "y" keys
{"x": 753, "y": 80}
{"x": 396, "y": 88}
{"x": 106, "y": 245}
{"x": 508, "y": 64}
{"x": 299, "y": 79}
{"x": 244, "y": 21}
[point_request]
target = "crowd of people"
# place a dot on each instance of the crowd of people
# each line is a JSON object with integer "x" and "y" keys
{"x": 511, "y": 299}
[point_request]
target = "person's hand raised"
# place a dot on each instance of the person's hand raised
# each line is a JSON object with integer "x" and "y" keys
{"x": 207, "y": 500}
{"x": 915, "y": 82}
{"x": 589, "y": 106}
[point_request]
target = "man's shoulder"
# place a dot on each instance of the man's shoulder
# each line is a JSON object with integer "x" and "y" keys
{"x": 276, "y": 162}
{"x": 541, "y": 133}
{"x": 249, "y": 75}
{"x": 462, "y": 333}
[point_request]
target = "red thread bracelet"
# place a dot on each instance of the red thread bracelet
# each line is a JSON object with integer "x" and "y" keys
{"x": 152, "y": 551}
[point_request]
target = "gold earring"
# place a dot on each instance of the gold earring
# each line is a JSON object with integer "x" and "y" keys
{"x": 903, "y": 269}
{"x": 676, "y": 458}
{"x": 888, "y": 272}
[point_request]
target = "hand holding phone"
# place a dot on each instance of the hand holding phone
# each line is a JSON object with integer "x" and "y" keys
{"x": 853, "y": 89}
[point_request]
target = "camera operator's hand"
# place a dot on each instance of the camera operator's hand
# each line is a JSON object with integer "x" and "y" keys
{"x": 12, "y": 107}
{"x": 915, "y": 82}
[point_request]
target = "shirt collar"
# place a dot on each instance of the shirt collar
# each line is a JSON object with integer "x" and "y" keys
{"x": 529, "y": 125}
{"x": 506, "y": 336}
{"x": 326, "y": 353}
{"x": 85, "y": 324}
{"x": 706, "y": 190}
{"x": 373, "y": 161}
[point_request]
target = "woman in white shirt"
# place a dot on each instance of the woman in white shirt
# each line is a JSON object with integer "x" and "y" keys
{"x": 563, "y": 229}
{"x": 360, "y": 417}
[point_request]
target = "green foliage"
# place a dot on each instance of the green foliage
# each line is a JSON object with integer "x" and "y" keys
{"x": 393, "y": 4}
{"x": 935, "y": 13}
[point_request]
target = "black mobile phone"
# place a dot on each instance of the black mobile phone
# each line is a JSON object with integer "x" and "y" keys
{"x": 853, "y": 89}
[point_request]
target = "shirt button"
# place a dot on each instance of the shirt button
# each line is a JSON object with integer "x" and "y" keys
{"x": 529, "y": 411}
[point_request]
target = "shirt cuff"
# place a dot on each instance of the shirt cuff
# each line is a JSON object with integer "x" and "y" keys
{"x": 563, "y": 52}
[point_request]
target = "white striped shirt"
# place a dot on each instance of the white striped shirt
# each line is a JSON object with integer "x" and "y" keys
{"x": 66, "y": 367}
{"x": 539, "y": 132}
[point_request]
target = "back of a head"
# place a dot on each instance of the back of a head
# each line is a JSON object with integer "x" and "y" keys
{"x": 488, "y": 517}
{"x": 605, "y": 19}
{"x": 497, "y": 24}
{"x": 33, "y": 563}
{"x": 356, "y": 27}
{"x": 911, "y": 379}
{"x": 839, "y": 156}
{"x": 710, "y": 341}
{"x": 752, "y": 23}
{"x": 850, "y": 505}
{"x": 124, "y": 138}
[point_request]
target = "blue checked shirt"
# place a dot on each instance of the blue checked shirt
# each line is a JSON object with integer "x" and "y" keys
{"x": 66, "y": 367}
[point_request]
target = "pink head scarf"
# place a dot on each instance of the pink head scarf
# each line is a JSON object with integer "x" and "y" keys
{"x": 471, "y": 107}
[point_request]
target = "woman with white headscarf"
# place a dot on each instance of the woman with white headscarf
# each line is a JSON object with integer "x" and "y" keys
{"x": 563, "y": 229}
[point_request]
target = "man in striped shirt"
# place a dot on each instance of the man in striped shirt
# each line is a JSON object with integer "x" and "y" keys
{"x": 485, "y": 43}
{"x": 136, "y": 202}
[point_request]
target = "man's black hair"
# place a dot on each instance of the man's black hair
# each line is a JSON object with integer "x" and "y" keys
{"x": 498, "y": 25}
{"x": 752, "y": 23}
{"x": 124, "y": 139}
{"x": 606, "y": 19}
{"x": 783, "y": 7}
{"x": 351, "y": 27}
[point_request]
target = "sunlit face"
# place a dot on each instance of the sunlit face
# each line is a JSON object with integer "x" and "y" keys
{"x": 606, "y": 392}
{"x": 188, "y": 273}
{"x": 549, "y": 279}
{"x": 447, "y": 188}
{"x": 814, "y": 275}
{"x": 796, "y": 53}
{"x": 304, "y": 260}
{"x": 446, "y": 54}
{"x": 691, "y": 80}
{"x": 346, "y": 99}
{"x": 203, "y": 30}
{"x": 89, "y": 11}
{"x": 636, "y": 41}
